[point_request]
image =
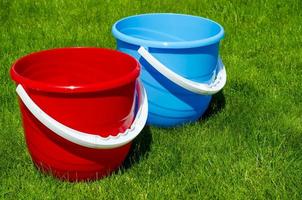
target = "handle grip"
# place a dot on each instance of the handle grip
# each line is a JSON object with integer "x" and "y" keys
{"x": 199, "y": 88}
{"x": 87, "y": 139}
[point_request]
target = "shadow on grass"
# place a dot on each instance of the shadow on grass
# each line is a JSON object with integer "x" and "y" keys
{"x": 217, "y": 105}
{"x": 142, "y": 143}
{"x": 139, "y": 149}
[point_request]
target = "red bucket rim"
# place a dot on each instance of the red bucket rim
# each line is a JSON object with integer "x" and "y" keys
{"x": 104, "y": 85}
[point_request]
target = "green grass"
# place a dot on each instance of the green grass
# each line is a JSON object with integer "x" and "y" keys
{"x": 248, "y": 147}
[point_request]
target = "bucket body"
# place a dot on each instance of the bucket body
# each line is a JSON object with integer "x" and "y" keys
{"x": 88, "y": 89}
{"x": 187, "y": 45}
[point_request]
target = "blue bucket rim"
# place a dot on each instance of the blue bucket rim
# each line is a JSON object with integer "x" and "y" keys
{"x": 160, "y": 44}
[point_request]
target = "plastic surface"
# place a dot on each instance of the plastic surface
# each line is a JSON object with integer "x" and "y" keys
{"x": 88, "y": 139}
{"x": 189, "y": 48}
{"x": 91, "y": 90}
{"x": 168, "y": 30}
{"x": 199, "y": 88}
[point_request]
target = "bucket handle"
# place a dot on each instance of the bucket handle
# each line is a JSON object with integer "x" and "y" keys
{"x": 86, "y": 139}
{"x": 199, "y": 88}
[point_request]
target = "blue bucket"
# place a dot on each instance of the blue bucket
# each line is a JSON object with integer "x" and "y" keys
{"x": 181, "y": 67}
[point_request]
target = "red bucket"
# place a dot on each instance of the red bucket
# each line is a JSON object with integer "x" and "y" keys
{"x": 79, "y": 110}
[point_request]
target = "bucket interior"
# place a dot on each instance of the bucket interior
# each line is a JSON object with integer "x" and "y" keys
{"x": 168, "y": 27}
{"x": 75, "y": 67}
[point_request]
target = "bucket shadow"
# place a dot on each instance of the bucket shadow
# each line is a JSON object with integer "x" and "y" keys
{"x": 216, "y": 106}
{"x": 139, "y": 149}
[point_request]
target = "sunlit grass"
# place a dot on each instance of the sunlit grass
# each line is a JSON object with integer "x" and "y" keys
{"x": 249, "y": 146}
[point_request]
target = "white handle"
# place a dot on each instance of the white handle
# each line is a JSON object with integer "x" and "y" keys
{"x": 86, "y": 139}
{"x": 199, "y": 88}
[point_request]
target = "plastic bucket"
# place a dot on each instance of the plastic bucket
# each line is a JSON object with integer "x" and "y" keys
{"x": 181, "y": 67}
{"x": 79, "y": 110}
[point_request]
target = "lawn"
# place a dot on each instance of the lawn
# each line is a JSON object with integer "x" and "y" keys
{"x": 247, "y": 146}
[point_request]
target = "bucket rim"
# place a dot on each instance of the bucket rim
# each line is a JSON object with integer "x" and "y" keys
{"x": 81, "y": 88}
{"x": 166, "y": 45}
